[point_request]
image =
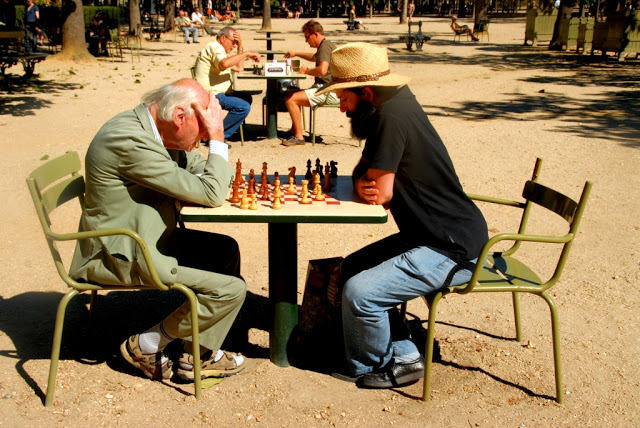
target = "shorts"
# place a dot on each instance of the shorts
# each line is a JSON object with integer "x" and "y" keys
{"x": 329, "y": 98}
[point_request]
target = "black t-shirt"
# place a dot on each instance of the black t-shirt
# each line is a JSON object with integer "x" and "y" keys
{"x": 428, "y": 204}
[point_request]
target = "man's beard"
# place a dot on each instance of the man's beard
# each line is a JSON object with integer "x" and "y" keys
{"x": 363, "y": 120}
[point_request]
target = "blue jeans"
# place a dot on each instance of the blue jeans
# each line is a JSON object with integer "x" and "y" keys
{"x": 238, "y": 104}
{"x": 377, "y": 279}
{"x": 192, "y": 30}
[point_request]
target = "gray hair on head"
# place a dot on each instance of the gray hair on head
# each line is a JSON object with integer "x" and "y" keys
{"x": 226, "y": 31}
{"x": 169, "y": 97}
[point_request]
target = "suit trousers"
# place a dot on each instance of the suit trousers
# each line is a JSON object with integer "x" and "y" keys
{"x": 208, "y": 263}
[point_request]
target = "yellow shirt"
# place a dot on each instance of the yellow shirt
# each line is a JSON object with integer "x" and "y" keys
{"x": 208, "y": 72}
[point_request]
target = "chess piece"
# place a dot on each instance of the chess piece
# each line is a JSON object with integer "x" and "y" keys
{"x": 316, "y": 183}
{"x": 239, "y": 178}
{"x": 319, "y": 195}
{"x": 244, "y": 203}
{"x": 277, "y": 202}
{"x": 308, "y": 175}
{"x": 254, "y": 202}
{"x": 326, "y": 186}
{"x": 334, "y": 169}
{"x": 264, "y": 179}
{"x": 334, "y": 173}
{"x": 292, "y": 173}
{"x": 292, "y": 186}
{"x": 251, "y": 187}
{"x": 264, "y": 192}
{"x": 319, "y": 168}
{"x": 235, "y": 195}
{"x": 305, "y": 192}
{"x": 252, "y": 174}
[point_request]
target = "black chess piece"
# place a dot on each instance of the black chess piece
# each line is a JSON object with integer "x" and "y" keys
{"x": 319, "y": 169}
{"x": 308, "y": 175}
{"x": 334, "y": 169}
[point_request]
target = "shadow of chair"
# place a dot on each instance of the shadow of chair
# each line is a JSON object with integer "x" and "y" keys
{"x": 504, "y": 273}
{"x": 53, "y": 184}
{"x": 481, "y": 29}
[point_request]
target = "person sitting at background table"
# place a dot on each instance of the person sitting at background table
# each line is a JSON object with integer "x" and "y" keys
{"x": 198, "y": 21}
{"x": 462, "y": 29}
{"x": 137, "y": 165}
{"x": 230, "y": 13}
{"x": 314, "y": 36}
{"x": 213, "y": 70}
{"x": 186, "y": 26}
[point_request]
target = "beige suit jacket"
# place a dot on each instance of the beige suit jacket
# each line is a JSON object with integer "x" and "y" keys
{"x": 132, "y": 181}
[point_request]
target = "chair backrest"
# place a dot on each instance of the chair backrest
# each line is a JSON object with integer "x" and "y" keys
{"x": 51, "y": 185}
{"x": 568, "y": 209}
{"x": 483, "y": 25}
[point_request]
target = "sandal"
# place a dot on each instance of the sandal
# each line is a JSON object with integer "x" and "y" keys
{"x": 150, "y": 364}
{"x": 224, "y": 367}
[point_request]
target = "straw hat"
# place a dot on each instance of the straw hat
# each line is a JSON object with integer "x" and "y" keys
{"x": 361, "y": 64}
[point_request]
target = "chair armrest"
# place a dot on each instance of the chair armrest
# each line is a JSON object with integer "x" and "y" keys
{"x": 484, "y": 253}
{"x": 146, "y": 255}
{"x": 492, "y": 200}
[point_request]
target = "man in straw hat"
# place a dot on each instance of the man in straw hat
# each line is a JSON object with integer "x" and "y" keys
{"x": 405, "y": 167}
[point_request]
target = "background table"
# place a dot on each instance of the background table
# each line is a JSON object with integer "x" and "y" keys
{"x": 272, "y": 98}
{"x": 283, "y": 246}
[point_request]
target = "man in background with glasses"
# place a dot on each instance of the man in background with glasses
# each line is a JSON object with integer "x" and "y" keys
{"x": 213, "y": 69}
{"x": 314, "y": 36}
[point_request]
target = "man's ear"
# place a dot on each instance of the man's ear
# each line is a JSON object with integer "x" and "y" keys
{"x": 367, "y": 94}
{"x": 179, "y": 116}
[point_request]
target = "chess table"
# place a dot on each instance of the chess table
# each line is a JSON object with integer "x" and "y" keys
{"x": 338, "y": 207}
{"x": 272, "y": 97}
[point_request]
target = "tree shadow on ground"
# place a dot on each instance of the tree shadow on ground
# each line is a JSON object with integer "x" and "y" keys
{"x": 23, "y": 97}
{"x": 612, "y": 115}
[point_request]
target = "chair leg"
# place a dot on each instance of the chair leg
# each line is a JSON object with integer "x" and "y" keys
{"x": 55, "y": 348}
{"x": 195, "y": 336}
{"x": 557, "y": 358}
{"x": 428, "y": 355}
{"x": 516, "y": 315}
{"x": 312, "y": 121}
{"x": 92, "y": 303}
{"x": 242, "y": 134}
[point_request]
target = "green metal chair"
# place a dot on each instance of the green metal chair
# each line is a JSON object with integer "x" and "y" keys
{"x": 53, "y": 184}
{"x": 312, "y": 117}
{"x": 115, "y": 43}
{"x": 504, "y": 273}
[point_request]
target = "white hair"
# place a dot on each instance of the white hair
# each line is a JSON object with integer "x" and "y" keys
{"x": 169, "y": 97}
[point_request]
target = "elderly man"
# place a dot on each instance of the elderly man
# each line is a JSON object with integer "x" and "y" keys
{"x": 187, "y": 26}
{"x": 405, "y": 167}
{"x": 137, "y": 165}
{"x": 314, "y": 36}
{"x": 213, "y": 70}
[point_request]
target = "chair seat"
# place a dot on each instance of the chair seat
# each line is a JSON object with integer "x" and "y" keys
{"x": 516, "y": 272}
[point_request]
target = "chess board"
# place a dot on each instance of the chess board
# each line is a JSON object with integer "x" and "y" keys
{"x": 287, "y": 198}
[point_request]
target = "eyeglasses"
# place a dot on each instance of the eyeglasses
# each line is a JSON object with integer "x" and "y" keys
{"x": 306, "y": 36}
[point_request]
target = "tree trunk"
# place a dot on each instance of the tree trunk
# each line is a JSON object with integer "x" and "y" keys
{"x": 462, "y": 11}
{"x": 370, "y": 9}
{"x": 74, "y": 45}
{"x": 566, "y": 7}
{"x": 169, "y": 14}
{"x": 403, "y": 11}
{"x": 266, "y": 15}
{"x": 134, "y": 14}
{"x": 481, "y": 9}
